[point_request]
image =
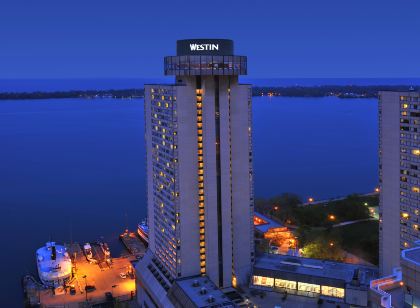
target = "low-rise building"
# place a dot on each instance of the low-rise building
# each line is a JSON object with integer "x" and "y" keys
{"x": 340, "y": 282}
{"x": 277, "y": 235}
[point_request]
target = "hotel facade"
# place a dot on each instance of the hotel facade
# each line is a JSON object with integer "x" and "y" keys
{"x": 399, "y": 154}
{"x": 199, "y": 172}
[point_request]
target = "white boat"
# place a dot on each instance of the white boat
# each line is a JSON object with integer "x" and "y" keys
{"x": 88, "y": 252}
{"x": 143, "y": 231}
{"x": 54, "y": 265}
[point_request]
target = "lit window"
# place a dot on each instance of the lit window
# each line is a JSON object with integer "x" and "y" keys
{"x": 333, "y": 292}
{"x": 309, "y": 288}
{"x": 415, "y": 189}
{"x": 285, "y": 284}
{"x": 416, "y": 152}
{"x": 263, "y": 281}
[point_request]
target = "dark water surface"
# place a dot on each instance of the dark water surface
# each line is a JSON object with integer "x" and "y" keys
{"x": 74, "y": 169}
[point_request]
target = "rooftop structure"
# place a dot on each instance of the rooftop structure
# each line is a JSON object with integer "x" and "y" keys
{"x": 263, "y": 224}
{"x": 198, "y": 291}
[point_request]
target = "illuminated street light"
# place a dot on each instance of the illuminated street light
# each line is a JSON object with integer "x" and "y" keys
{"x": 331, "y": 217}
{"x": 310, "y": 199}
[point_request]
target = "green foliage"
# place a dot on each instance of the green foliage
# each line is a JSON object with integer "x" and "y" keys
{"x": 290, "y": 210}
{"x": 322, "y": 248}
{"x": 315, "y": 229}
{"x": 361, "y": 239}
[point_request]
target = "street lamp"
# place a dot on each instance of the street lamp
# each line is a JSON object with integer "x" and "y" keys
{"x": 85, "y": 277}
{"x": 113, "y": 288}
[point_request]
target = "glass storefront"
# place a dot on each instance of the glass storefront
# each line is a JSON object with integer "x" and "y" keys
{"x": 332, "y": 291}
{"x": 308, "y": 289}
{"x": 263, "y": 281}
{"x": 299, "y": 288}
{"x": 285, "y": 284}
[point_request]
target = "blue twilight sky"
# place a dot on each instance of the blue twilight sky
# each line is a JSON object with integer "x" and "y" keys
{"x": 282, "y": 38}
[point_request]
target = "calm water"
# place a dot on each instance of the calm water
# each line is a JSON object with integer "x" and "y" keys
{"x": 75, "y": 170}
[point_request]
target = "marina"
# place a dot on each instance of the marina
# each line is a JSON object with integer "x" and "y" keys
{"x": 84, "y": 275}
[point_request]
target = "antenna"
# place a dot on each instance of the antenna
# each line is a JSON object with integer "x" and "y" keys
{"x": 71, "y": 231}
{"x": 126, "y": 220}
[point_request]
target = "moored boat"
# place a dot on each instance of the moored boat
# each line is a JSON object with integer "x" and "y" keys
{"x": 54, "y": 265}
{"x": 87, "y": 249}
{"x": 143, "y": 231}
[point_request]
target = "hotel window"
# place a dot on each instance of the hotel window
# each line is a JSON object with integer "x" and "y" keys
{"x": 286, "y": 284}
{"x": 333, "y": 292}
{"x": 263, "y": 281}
{"x": 308, "y": 287}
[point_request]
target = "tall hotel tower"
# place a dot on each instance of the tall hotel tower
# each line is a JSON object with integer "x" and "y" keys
{"x": 199, "y": 170}
{"x": 399, "y": 120}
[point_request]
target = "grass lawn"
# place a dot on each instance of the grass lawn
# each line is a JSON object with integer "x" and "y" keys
{"x": 360, "y": 239}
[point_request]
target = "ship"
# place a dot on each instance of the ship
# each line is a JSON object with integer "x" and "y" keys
{"x": 143, "y": 231}
{"x": 54, "y": 265}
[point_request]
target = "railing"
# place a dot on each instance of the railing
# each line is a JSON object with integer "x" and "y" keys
{"x": 379, "y": 286}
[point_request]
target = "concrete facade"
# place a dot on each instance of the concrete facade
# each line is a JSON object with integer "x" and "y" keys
{"x": 199, "y": 171}
{"x": 399, "y": 118}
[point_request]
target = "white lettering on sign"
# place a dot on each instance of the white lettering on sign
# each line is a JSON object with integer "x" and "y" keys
{"x": 200, "y": 47}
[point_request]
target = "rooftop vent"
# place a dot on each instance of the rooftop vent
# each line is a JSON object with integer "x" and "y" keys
{"x": 210, "y": 299}
{"x": 203, "y": 291}
{"x": 196, "y": 283}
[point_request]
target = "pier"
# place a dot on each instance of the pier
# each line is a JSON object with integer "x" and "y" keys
{"x": 93, "y": 285}
{"x": 106, "y": 282}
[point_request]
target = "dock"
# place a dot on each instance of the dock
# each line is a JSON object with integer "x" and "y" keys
{"x": 92, "y": 284}
{"x": 133, "y": 244}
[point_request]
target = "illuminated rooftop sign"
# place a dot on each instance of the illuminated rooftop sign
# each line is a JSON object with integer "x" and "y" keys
{"x": 211, "y": 47}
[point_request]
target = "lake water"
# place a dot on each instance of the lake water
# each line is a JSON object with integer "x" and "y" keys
{"x": 74, "y": 169}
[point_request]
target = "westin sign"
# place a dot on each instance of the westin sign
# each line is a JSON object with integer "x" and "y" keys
{"x": 210, "y": 47}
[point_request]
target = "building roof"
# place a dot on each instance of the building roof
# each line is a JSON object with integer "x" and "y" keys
{"x": 312, "y": 270}
{"x": 269, "y": 223}
{"x": 412, "y": 255}
{"x": 196, "y": 291}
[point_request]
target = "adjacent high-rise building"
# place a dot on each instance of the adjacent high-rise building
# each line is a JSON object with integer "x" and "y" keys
{"x": 199, "y": 169}
{"x": 399, "y": 149}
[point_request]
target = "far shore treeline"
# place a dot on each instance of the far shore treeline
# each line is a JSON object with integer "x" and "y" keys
{"x": 291, "y": 91}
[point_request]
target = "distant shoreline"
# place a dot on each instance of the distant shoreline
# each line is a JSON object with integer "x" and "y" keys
{"x": 349, "y": 91}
